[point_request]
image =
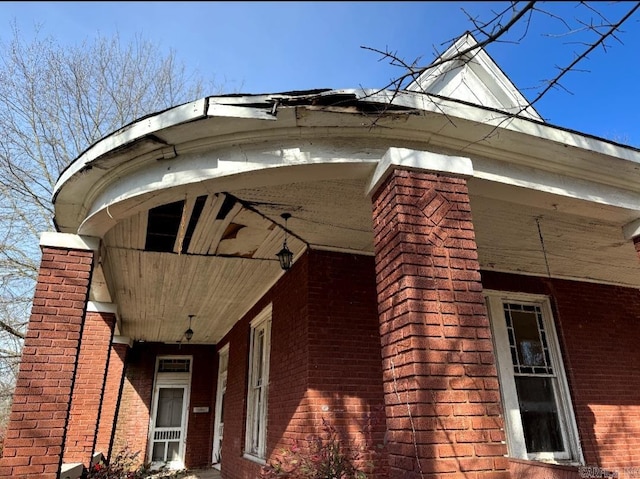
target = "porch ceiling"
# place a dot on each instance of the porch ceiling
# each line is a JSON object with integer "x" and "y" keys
{"x": 230, "y": 260}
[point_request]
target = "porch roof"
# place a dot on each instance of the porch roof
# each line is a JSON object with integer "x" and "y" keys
{"x": 243, "y": 160}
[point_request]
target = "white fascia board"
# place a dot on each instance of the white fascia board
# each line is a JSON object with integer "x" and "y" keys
{"x": 233, "y": 111}
{"x": 414, "y": 160}
{"x": 174, "y": 116}
{"x": 69, "y": 241}
{"x": 502, "y": 121}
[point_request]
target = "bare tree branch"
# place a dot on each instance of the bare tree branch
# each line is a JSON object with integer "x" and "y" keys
{"x": 600, "y": 41}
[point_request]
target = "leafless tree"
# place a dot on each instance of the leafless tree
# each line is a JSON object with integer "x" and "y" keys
{"x": 587, "y": 30}
{"x": 55, "y": 101}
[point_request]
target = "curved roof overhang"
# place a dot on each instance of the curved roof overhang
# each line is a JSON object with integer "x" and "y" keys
{"x": 314, "y": 154}
{"x": 214, "y": 138}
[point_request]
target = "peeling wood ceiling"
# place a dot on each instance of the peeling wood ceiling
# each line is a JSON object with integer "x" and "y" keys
{"x": 229, "y": 260}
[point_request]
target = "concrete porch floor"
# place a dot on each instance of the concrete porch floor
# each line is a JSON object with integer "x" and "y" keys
{"x": 190, "y": 474}
{"x": 203, "y": 474}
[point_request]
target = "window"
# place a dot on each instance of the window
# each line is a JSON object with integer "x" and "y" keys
{"x": 174, "y": 365}
{"x": 256, "y": 431}
{"x": 538, "y": 414}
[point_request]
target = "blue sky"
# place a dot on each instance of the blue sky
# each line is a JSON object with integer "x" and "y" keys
{"x": 258, "y": 47}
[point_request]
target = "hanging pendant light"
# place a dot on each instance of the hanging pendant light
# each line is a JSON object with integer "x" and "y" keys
{"x": 285, "y": 256}
{"x": 188, "y": 334}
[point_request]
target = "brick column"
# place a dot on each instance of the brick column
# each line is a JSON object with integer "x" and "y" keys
{"x": 111, "y": 399}
{"x": 89, "y": 383}
{"x": 36, "y": 431}
{"x": 440, "y": 380}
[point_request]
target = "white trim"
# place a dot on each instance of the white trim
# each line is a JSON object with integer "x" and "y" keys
{"x": 513, "y": 421}
{"x": 502, "y": 93}
{"x": 631, "y": 230}
{"x": 218, "y": 419}
{"x": 171, "y": 380}
{"x": 122, "y": 340}
{"x": 262, "y": 322}
{"x": 416, "y": 160}
{"x": 100, "y": 307}
{"x": 69, "y": 241}
{"x": 139, "y": 129}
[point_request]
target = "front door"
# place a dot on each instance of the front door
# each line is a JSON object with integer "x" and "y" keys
{"x": 167, "y": 438}
{"x": 168, "y": 426}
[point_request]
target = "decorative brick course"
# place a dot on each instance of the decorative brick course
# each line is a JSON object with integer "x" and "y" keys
{"x": 440, "y": 380}
{"x": 37, "y": 426}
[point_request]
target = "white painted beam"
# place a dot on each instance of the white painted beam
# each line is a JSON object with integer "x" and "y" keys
{"x": 69, "y": 241}
{"x": 415, "y": 160}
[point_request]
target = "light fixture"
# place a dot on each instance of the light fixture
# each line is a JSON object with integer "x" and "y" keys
{"x": 188, "y": 334}
{"x": 285, "y": 256}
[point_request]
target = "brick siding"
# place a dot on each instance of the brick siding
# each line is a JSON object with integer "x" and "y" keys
{"x": 441, "y": 387}
{"x": 111, "y": 398}
{"x": 88, "y": 387}
{"x": 324, "y": 362}
{"x": 35, "y": 435}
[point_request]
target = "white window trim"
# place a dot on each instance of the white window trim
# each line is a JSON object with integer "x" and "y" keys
{"x": 261, "y": 322}
{"x": 513, "y": 422}
{"x": 222, "y": 376}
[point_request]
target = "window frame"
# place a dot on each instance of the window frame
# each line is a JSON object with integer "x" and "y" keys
{"x": 513, "y": 420}
{"x": 256, "y": 417}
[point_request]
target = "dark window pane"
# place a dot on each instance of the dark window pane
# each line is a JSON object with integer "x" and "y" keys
{"x": 528, "y": 341}
{"x": 539, "y": 413}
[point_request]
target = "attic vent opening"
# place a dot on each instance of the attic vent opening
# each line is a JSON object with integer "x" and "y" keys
{"x": 163, "y": 224}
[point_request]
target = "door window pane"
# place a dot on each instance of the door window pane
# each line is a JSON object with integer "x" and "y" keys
{"x": 158, "y": 451}
{"x": 173, "y": 451}
{"x": 169, "y": 407}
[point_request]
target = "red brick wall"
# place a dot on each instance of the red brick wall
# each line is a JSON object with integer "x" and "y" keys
{"x": 88, "y": 387}
{"x": 325, "y": 360}
{"x": 345, "y": 375}
{"x": 111, "y": 397}
{"x": 287, "y": 420}
{"x": 439, "y": 369}
{"x": 35, "y": 435}
{"x": 598, "y": 327}
{"x": 132, "y": 428}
